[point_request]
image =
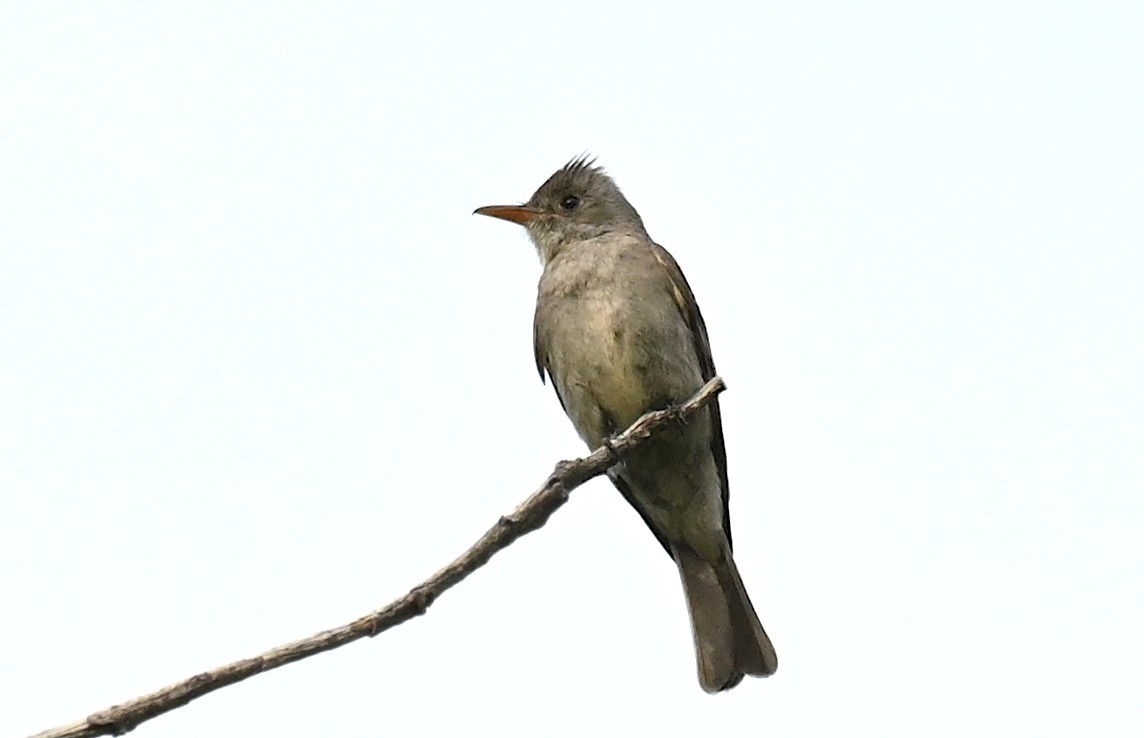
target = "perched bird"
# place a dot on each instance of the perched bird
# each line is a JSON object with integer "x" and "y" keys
{"x": 619, "y": 333}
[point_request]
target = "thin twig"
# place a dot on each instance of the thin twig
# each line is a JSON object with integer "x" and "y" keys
{"x": 529, "y": 516}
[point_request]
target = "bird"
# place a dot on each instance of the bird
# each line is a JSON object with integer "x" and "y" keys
{"x": 618, "y": 332}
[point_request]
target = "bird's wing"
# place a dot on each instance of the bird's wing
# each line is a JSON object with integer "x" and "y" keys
{"x": 538, "y": 350}
{"x": 541, "y": 355}
{"x": 689, "y": 309}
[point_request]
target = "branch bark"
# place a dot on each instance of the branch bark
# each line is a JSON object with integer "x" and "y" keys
{"x": 530, "y": 515}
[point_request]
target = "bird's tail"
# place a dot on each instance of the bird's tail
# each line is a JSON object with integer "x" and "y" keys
{"x": 729, "y": 639}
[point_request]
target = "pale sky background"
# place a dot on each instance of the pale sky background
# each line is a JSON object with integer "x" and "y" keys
{"x": 261, "y": 371}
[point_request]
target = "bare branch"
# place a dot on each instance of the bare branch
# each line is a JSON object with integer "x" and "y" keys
{"x": 529, "y": 516}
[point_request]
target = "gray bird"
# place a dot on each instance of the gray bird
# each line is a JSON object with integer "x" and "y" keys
{"x": 618, "y": 331}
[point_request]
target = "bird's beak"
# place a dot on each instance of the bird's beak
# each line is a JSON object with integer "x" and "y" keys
{"x": 522, "y": 214}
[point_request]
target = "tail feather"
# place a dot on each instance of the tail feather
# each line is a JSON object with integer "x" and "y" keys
{"x": 729, "y": 639}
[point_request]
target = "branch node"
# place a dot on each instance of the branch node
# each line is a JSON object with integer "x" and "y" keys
{"x": 562, "y": 468}
{"x": 420, "y": 600}
{"x": 613, "y": 452}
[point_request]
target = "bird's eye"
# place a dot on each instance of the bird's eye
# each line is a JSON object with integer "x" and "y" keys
{"x": 570, "y": 202}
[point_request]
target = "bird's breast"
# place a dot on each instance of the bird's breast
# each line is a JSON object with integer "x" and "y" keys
{"x": 612, "y": 336}
{"x": 616, "y": 365}
{"x": 602, "y": 355}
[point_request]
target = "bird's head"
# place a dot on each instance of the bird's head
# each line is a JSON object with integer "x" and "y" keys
{"x": 580, "y": 201}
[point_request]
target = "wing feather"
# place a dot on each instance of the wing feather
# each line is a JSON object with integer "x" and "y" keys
{"x": 689, "y": 309}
